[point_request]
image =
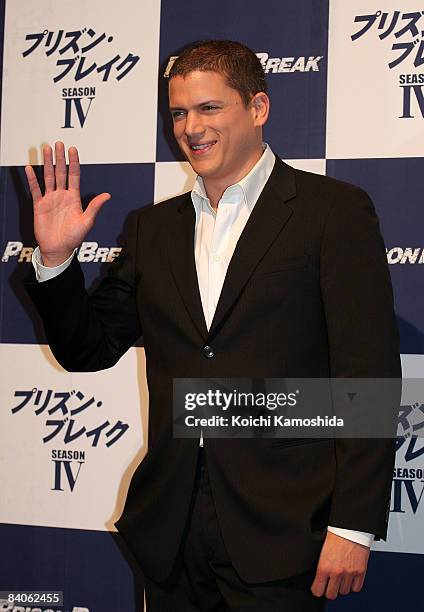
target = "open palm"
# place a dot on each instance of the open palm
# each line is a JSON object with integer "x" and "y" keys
{"x": 60, "y": 224}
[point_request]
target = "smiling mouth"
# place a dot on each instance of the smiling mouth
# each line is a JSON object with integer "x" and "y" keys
{"x": 201, "y": 149}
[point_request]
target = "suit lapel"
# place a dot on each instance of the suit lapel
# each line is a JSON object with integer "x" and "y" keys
{"x": 182, "y": 261}
{"x": 266, "y": 221}
{"x": 268, "y": 218}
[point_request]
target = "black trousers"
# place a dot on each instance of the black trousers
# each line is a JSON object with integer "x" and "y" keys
{"x": 203, "y": 578}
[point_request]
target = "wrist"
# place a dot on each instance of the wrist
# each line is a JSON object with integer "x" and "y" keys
{"x": 54, "y": 260}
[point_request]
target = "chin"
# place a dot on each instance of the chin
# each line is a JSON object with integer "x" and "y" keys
{"x": 203, "y": 169}
{"x": 208, "y": 173}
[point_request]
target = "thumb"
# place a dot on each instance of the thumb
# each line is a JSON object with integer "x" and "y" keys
{"x": 95, "y": 205}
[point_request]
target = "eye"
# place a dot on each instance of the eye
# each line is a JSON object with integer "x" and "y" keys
{"x": 177, "y": 114}
{"x": 209, "y": 107}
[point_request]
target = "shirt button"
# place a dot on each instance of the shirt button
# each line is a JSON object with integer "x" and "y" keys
{"x": 208, "y": 352}
{"x": 216, "y": 258}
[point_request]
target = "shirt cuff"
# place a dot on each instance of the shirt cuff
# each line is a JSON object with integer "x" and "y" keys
{"x": 360, "y": 537}
{"x": 43, "y": 273}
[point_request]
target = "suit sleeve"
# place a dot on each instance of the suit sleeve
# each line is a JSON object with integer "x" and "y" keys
{"x": 91, "y": 332}
{"x": 363, "y": 343}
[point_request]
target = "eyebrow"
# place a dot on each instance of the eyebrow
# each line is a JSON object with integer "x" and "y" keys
{"x": 174, "y": 108}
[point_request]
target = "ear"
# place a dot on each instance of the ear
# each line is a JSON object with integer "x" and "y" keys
{"x": 260, "y": 108}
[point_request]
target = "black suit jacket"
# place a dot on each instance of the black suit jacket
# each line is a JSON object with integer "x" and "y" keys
{"x": 307, "y": 294}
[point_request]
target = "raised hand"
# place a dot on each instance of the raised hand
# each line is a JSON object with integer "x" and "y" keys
{"x": 60, "y": 224}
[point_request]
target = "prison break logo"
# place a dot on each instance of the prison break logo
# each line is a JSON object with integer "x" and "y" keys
{"x": 408, "y": 479}
{"x": 405, "y": 33}
{"x": 88, "y": 252}
{"x": 275, "y": 65}
{"x": 62, "y": 413}
{"x": 8, "y": 607}
{"x": 76, "y": 56}
{"x": 5, "y": 606}
{"x": 405, "y": 255}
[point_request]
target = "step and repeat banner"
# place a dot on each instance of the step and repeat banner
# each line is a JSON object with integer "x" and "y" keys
{"x": 346, "y": 82}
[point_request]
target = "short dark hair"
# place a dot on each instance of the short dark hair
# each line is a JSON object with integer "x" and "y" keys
{"x": 239, "y": 64}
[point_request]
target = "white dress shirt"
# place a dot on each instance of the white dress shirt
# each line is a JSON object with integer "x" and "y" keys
{"x": 216, "y": 236}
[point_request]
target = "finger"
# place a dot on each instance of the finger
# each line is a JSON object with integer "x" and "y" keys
{"x": 95, "y": 205}
{"x": 34, "y": 187}
{"x": 319, "y": 584}
{"x": 333, "y": 586}
{"x": 358, "y": 583}
{"x": 74, "y": 169}
{"x": 60, "y": 170}
{"x": 345, "y": 584}
{"x": 49, "y": 180}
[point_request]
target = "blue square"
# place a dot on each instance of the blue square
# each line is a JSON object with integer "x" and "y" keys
{"x": 296, "y": 127}
{"x": 131, "y": 186}
{"x": 393, "y": 185}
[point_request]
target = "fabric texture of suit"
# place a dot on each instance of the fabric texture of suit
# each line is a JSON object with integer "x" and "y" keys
{"x": 307, "y": 294}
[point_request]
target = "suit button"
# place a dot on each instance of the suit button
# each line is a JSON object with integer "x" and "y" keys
{"x": 208, "y": 352}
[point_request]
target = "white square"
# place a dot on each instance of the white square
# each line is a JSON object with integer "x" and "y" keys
{"x": 317, "y": 166}
{"x": 365, "y": 100}
{"x": 172, "y": 179}
{"x": 407, "y": 501}
{"x": 78, "y": 483}
{"x": 114, "y": 120}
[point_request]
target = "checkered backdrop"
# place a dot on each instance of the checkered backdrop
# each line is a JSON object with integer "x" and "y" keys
{"x": 346, "y": 82}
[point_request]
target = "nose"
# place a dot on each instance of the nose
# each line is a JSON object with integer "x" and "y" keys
{"x": 193, "y": 125}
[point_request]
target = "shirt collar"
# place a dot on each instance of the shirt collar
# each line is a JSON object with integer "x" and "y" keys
{"x": 247, "y": 189}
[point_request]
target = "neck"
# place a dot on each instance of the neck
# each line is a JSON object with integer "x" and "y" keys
{"x": 215, "y": 187}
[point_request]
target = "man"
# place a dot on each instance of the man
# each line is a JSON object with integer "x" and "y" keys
{"x": 260, "y": 271}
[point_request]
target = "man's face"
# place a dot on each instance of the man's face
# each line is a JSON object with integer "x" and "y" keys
{"x": 216, "y": 132}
